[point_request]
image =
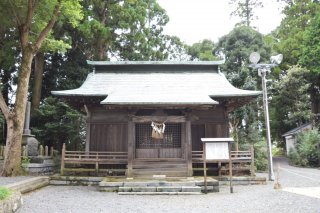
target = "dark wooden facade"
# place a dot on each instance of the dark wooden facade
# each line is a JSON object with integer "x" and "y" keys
{"x": 115, "y": 130}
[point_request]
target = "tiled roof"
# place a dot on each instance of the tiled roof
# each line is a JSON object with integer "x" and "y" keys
{"x": 138, "y": 87}
{"x": 298, "y": 129}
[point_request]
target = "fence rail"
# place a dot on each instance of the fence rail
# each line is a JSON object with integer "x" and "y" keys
{"x": 91, "y": 157}
{"x": 241, "y": 160}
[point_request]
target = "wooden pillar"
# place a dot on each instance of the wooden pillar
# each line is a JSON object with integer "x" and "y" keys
{"x": 131, "y": 148}
{"x": 88, "y": 118}
{"x": 188, "y": 147}
{"x": 62, "y": 159}
{"x": 252, "y": 168}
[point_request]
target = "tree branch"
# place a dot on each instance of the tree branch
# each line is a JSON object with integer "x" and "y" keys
{"x": 15, "y": 14}
{"x": 29, "y": 15}
{"x": 49, "y": 26}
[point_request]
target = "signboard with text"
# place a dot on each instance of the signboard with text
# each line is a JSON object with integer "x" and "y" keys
{"x": 217, "y": 151}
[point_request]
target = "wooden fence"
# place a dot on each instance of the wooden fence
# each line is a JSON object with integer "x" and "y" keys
{"x": 44, "y": 151}
{"x": 82, "y": 158}
{"x": 241, "y": 161}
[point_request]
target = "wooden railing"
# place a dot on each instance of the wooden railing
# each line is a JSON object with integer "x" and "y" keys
{"x": 241, "y": 160}
{"x": 82, "y": 158}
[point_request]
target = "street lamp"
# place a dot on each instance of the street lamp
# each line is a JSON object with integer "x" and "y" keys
{"x": 262, "y": 71}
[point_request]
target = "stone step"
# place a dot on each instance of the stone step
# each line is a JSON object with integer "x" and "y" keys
{"x": 151, "y": 173}
{"x": 167, "y": 189}
{"x": 157, "y": 183}
{"x": 30, "y": 184}
{"x": 159, "y": 193}
{"x": 157, "y": 166}
{"x": 167, "y": 185}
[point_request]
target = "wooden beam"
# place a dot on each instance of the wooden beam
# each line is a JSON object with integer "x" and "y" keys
{"x": 160, "y": 119}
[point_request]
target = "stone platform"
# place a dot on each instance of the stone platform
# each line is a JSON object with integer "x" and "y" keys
{"x": 165, "y": 186}
{"x": 156, "y": 185}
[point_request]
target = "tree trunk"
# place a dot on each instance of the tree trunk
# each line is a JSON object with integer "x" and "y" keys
{"x": 15, "y": 121}
{"x": 37, "y": 82}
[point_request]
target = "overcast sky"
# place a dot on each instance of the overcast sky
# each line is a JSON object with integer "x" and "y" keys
{"x": 193, "y": 21}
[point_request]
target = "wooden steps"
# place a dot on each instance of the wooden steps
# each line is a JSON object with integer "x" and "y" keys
{"x": 167, "y": 167}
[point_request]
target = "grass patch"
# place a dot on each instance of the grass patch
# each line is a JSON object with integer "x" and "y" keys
{"x": 4, "y": 192}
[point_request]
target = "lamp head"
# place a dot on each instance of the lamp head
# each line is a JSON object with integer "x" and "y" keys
{"x": 276, "y": 59}
{"x": 254, "y": 57}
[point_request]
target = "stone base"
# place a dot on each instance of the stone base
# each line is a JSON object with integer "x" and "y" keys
{"x": 12, "y": 203}
{"x": 75, "y": 181}
{"x": 32, "y": 143}
{"x": 45, "y": 168}
{"x": 249, "y": 180}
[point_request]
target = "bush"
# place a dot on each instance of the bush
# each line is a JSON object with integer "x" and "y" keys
{"x": 277, "y": 151}
{"x": 307, "y": 152}
{"x": 260, "y": 155}
{"x": 4, "y": 192}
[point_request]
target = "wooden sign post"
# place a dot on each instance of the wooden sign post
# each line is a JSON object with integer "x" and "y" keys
{"x": 217, "y": 150}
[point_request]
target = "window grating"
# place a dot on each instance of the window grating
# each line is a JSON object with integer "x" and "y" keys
{"x": 171, "y": 137}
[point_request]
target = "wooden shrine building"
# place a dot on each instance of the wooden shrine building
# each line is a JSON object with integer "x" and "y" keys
{"x": 123, "y": 99}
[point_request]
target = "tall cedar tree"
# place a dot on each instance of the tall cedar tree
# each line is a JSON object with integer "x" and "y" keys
{"x": 33, "y": 25}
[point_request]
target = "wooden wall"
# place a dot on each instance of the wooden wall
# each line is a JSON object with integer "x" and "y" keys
{"x": 108, "y": 129}
{"x": 208, "y": 124}
{"x": 108, "y": 137}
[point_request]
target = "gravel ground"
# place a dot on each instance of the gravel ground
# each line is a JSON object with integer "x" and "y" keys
{"x": 261, "y": 198}
{"x": 8, "y": 180}
{"x": 258, "y": 198}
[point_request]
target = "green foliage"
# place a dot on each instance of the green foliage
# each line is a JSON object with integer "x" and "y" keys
{"x": 296, "y": 92}
{"x": 25, "y": 160}
{"x": 202, "y": 51}
{"x": 260, "y": 155}
{"x": 278, "y": 151}
{"x": 292, "y": 30}
{"x": 295, "y": 158}
{"x": 237, "y": 46}
{"x": 290, "y": 106}
{"x": 311, "y": 46}
{"x": 244, "y": 9}
{"x": 126, "y": 30}
{"x": 57, "y": 123}
{"x": 307, "y": 151}
{"x": 4, "y": 192}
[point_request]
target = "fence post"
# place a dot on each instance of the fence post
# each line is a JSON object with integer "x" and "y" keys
{"x": 62, "y": 158}
{"x": 41, "y": 152}
{"x": 252, "y": 161}
{"x": 51, "y": 151}
{"x": 46, "y": 151}
{"x": 24, "y": 151}
{"x": 97, "y": 163}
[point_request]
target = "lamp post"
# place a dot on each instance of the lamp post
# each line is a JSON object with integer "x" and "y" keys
{"x": 263, "y": 69}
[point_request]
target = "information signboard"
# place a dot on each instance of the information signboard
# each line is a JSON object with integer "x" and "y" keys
{"x": 217, "y": 151}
